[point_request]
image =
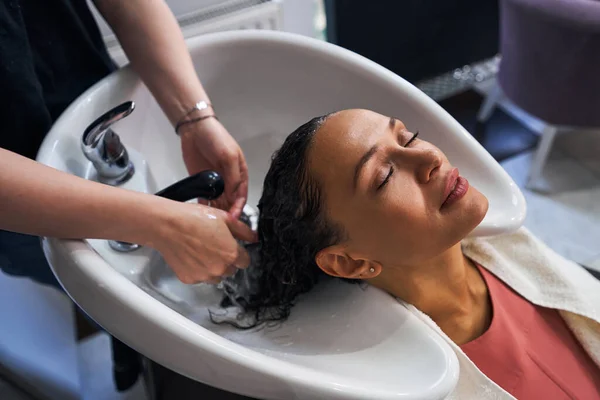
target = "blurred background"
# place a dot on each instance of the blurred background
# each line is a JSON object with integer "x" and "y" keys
{"x": 522, "y": 76}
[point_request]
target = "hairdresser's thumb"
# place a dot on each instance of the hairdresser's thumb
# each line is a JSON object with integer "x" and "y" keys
{"x": 243, "y": 259}
{"x": 241, "y": 231}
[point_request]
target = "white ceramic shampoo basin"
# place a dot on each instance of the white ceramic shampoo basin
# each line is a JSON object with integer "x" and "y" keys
{"x": 341, "y": 342}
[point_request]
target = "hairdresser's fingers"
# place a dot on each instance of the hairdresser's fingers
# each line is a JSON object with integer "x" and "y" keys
{"x": 243, "y": 189}
{"x": 240, "y": 230}
{"x": 243, "y": 258}
{"x": 230, "y": 165}
{"x": 186, "y": 276}
{"x": 229, "y": 271}
{"x": 241, "y": 194}
{"x": 214, "y": 280}
{"x": 225, "y": 270}
{"x": 238, "y": 206}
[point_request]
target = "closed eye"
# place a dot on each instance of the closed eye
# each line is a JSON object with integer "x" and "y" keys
{"x": 391, "y": 172}
{"x": 387, "y": 178}
{"x": 412, "y": 139}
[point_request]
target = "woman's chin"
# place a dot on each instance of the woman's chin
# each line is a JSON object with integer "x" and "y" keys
{"x": 468, "y": 214}
{"x": 475, "y": 208}
{"x": 482, "y": 202}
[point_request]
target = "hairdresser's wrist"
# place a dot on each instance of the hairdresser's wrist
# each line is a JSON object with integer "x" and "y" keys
{"x": 139, "y": 218}
{"x": 199, "y": 112}
{"x": 198, "y": 122}
{"x": 182, "y": 105}
{"x": 176, "y": 101}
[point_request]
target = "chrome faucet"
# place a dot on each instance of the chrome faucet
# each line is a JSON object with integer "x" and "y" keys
{"x": 103, "y": 147}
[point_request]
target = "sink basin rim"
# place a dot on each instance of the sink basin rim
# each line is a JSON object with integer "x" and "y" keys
{"x": 118, "y": 287}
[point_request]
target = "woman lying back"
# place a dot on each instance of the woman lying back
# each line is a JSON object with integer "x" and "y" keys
{"x": 356, "y": 195}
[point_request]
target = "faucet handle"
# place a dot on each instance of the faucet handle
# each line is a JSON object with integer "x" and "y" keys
{"x": 103, "y": 147}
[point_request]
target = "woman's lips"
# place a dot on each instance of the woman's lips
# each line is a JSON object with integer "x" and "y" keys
{"x": 456, "y": 188}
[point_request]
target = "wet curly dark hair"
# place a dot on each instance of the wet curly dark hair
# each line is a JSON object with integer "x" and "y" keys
{"x": 292, "y": 229}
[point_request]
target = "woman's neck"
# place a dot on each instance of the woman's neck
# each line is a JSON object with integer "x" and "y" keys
{"x": 448, "y": 288}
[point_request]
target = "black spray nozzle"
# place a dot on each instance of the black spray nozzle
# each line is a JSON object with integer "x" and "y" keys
{"x": 208, "y": 185}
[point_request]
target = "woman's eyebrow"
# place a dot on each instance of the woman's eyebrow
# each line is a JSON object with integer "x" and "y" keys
{"x": 361, "y": 163}
{"x": 367, "y": 156}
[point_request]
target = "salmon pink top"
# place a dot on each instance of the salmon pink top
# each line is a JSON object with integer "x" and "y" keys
{"x": 530, "y": 352}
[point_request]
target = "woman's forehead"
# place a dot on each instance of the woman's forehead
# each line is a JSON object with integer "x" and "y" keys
{"x": 348, "y": 130}
{"x": 343, "y": 140}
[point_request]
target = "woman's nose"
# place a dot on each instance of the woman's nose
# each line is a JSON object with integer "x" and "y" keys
{"x": 428, "y": 162}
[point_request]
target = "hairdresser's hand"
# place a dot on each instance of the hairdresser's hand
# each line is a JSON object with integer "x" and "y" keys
{"x": 198, "y": 242}
{"x": 207, "y": 145}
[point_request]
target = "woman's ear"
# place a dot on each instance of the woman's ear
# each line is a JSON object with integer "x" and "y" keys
{"x": 335, "y": 261}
